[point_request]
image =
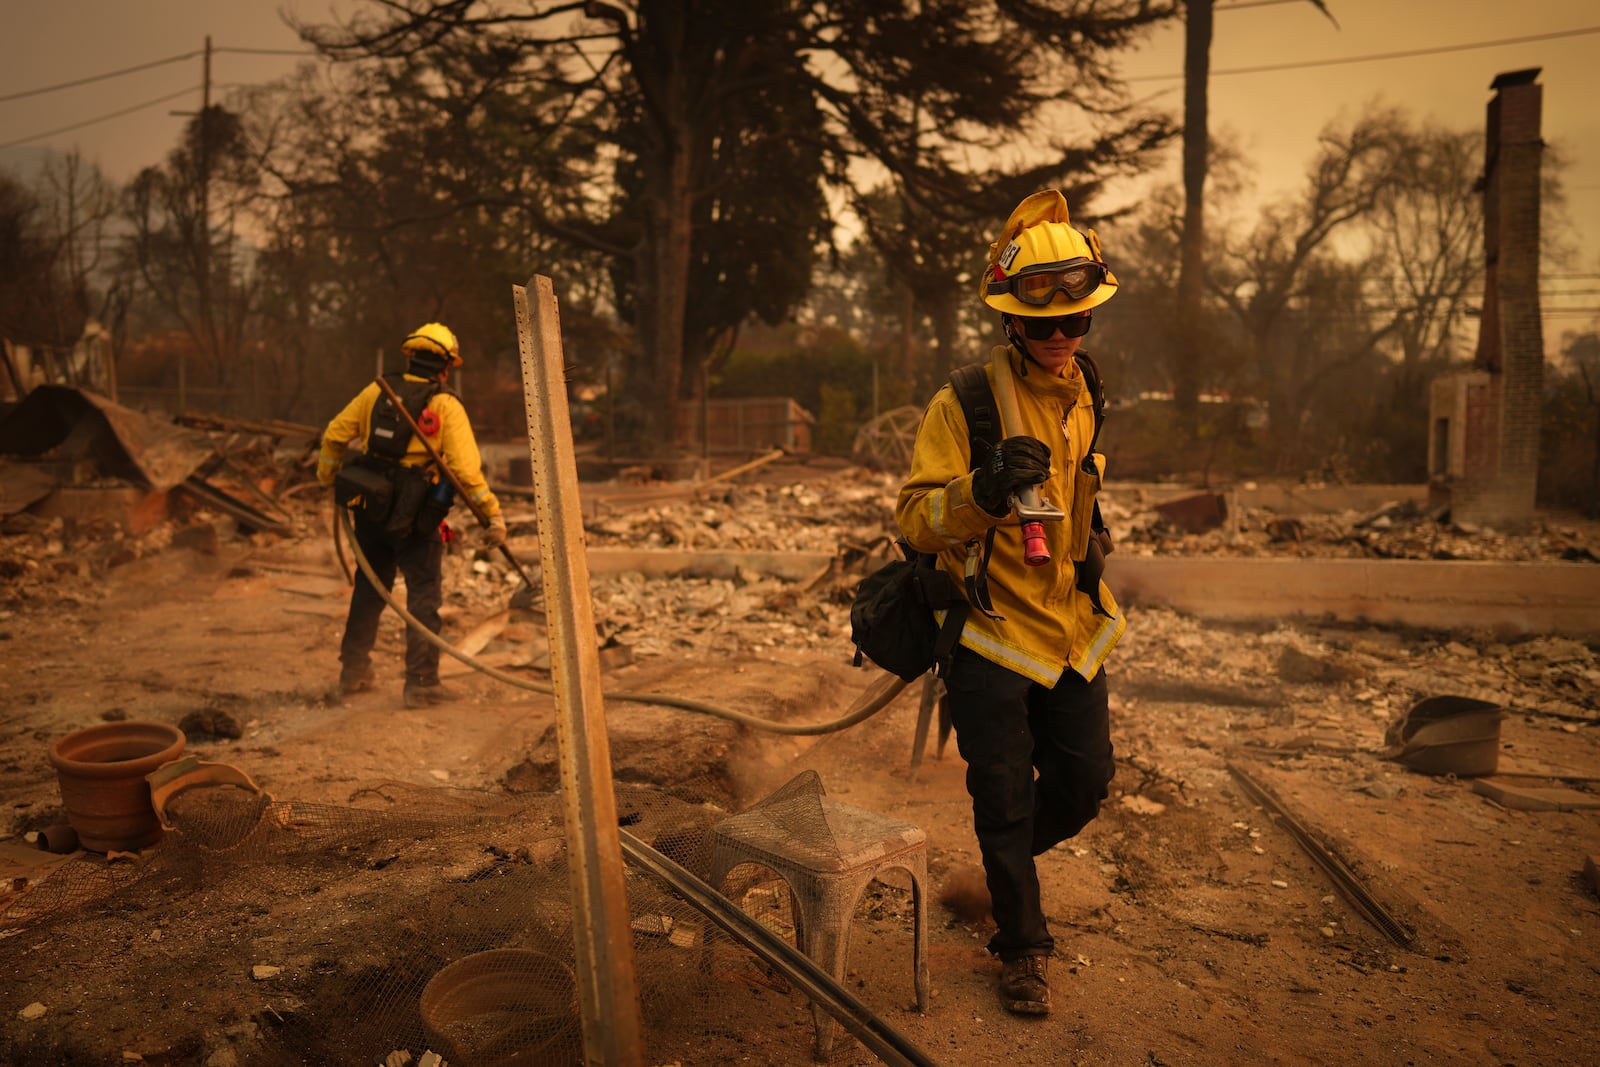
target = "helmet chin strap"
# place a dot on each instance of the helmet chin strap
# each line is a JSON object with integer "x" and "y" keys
{"x": 1006, "y": 323}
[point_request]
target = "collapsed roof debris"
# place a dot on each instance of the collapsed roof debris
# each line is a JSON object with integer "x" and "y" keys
{"x": 60, "y": 438}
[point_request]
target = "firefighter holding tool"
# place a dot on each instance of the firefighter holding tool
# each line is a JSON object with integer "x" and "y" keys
{"x": 1015, "y": 524}
{"x": 399, "y": 498}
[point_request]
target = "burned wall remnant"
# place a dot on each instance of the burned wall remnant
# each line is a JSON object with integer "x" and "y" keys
{"x": 1483, "y": 451}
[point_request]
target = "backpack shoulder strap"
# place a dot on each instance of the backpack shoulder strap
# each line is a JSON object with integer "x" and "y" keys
{"x": 971, "y": 385}
{"x": 1097, "y": 392}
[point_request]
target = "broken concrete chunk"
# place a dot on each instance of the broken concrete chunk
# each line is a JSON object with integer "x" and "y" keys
{"x": 1195, "y": 514}
{"x": 1285, "y": 530}
{"x": 685, "y": 934}
{"x": 1383, "y": 790}
{"x": 1535, "y": 798}
{"x": 1303, "y": 668}
{"x": 1142, "y": 805}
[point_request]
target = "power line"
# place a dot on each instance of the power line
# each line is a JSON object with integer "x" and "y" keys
{"x": 269, "y": 51}
{"x": 119, "y": 114}
{"x": 102, "y": 118}
{"x": 151, "y": 66}
{"x": 1375, "y": 56}
{"x": 100, "y": 77}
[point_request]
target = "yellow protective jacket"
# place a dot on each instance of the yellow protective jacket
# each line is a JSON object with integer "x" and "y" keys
{"x": 455, "y": 442}
{"x": 1047, "y": 624}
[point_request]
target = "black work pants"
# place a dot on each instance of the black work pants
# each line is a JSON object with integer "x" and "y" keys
{"x": 1008, "y": 727}
{"x": 419, "y": 557}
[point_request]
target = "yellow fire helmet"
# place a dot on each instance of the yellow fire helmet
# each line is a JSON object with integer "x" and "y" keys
{"x": 1042, "y": 265}
{"x": 434, "y": 337}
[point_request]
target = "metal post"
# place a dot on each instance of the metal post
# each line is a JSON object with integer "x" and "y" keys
{"x": 608, "y": 988}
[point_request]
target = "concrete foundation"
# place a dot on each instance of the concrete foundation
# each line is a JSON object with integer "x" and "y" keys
{"x": 1510, "y": 598}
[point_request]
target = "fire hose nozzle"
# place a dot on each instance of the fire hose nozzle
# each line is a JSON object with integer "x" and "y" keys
{"x": 1033, "y": 514}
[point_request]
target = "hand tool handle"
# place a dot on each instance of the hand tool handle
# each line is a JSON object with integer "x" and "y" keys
{"x": 444, "y": 470}
{"x": 1035, "y": 548}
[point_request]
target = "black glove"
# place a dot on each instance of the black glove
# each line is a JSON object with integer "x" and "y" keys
{"x": 1017, "y": 463}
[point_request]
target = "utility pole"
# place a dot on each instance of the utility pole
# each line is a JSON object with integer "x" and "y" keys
{"x": 204, "y": 250}
{"x": 203, "y": 238}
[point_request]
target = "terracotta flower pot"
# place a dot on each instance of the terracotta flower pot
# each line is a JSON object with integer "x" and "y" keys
{"x": 505, "y": 1006}
{"x": 101, "y": 772}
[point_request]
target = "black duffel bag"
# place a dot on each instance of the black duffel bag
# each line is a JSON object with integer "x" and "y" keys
{"x": 892, "y": 621}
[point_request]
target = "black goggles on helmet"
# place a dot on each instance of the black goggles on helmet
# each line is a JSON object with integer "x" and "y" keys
{"x": 1038, "y": 285}
{"x": 1035, "y": 328}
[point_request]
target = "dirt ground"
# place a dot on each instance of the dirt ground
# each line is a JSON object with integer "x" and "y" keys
{"x": 1192, "y": 925}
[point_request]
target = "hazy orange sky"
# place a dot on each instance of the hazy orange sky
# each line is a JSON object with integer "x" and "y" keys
{"x": 1413, "y": 53}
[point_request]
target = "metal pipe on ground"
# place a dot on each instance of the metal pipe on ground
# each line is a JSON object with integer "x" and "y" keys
{"x": 891, "y": 1047}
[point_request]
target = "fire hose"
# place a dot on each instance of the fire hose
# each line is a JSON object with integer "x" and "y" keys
{"x": 890, "y": 1046}
{"x": 873, "y": 700}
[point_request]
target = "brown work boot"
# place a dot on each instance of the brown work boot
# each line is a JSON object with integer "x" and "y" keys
{"x": 1025, "y": 985}
{"x": 353, "y": 680}
{"x": 423, "y": 695}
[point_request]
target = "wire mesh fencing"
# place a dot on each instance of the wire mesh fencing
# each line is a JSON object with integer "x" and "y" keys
{"x": 414, "y": 925}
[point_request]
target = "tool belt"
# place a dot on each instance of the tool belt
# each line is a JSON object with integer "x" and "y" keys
{"x": 384, "y": 493}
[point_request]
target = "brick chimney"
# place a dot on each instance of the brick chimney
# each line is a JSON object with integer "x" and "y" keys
{"x": 1484, "y": 448}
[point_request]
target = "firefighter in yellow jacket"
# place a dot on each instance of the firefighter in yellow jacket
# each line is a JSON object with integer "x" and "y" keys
{"x": 1026, "y": 685}
{"x": 398, "y": 517}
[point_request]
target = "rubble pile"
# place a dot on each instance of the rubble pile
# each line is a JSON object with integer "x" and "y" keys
{"x": 1401, "y": 530}
{"x": 832, "y": 509}
{"x": 1308, "y": 685}
{"x": 855, "y": 506}
{"x": 814, "y": 515}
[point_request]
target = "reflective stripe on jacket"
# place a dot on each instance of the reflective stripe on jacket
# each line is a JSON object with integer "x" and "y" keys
{"x": 456, "y": 442}
{"x": 1047, "y": 625}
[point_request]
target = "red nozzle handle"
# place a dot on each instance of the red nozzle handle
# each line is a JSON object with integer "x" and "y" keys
{"x": 1035, "y": 550}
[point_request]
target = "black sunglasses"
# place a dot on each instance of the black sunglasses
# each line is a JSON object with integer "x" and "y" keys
{"x": 1042, "y": 329}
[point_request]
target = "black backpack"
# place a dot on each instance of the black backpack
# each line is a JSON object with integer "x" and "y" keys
{"x": 891, "y": 618}
{"x": 376, "y": 483}
{"x": 390, "y": 433}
